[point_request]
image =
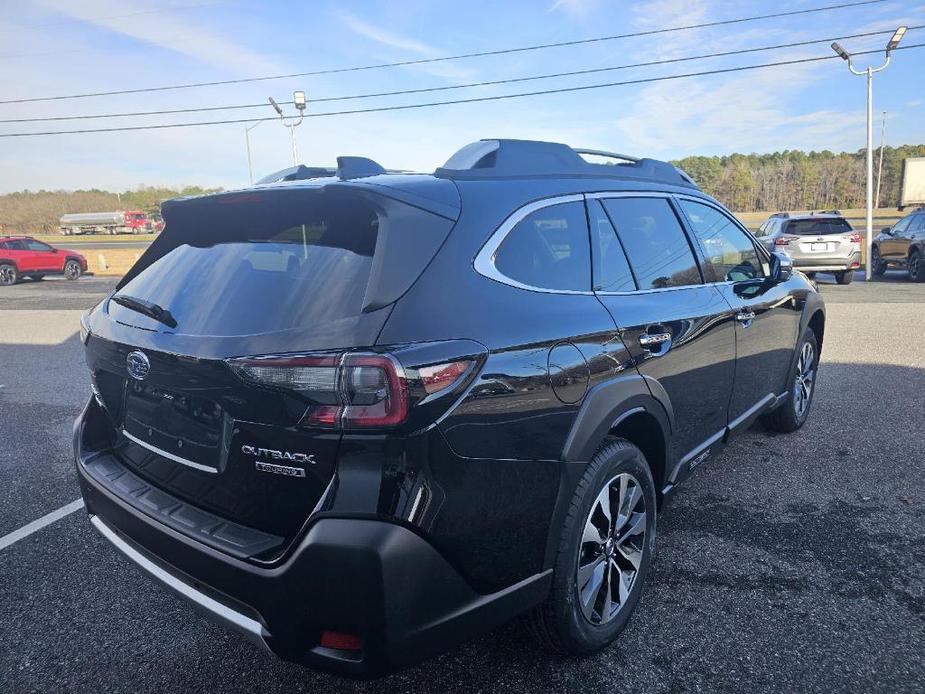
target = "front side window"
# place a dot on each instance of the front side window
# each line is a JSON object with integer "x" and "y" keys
{"x": 655, "y": 243}
{"x": 549, "y": 249}
{"x": 37, "y": 246}
{"x": 729, "y": 254}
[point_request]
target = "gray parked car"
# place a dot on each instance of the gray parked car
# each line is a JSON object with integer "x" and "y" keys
{"x": 817, "y": 242}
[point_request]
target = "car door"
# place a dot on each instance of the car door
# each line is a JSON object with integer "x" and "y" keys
{"x": 42, "y": 256}
{"x": 678, "y": 330}
{"x": 767, "y": 315}
{"x": 895, "y": 247}
{"x": 20, "y": 255}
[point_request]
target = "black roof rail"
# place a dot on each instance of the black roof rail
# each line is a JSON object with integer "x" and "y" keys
{"x": 781, "y": 215}
{"x": 520, "y": 158}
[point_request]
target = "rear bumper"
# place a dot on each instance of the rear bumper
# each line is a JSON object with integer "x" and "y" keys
{"x": 379, "y": 580}
{"x": 816, "y": 264}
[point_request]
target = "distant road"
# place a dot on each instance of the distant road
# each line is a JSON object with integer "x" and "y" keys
{"x": 89, "y": 246}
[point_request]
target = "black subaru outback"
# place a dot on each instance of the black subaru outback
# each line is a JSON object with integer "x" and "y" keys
{"x": 362, "y": 416}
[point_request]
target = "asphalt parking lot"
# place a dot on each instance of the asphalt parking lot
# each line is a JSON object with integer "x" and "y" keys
{"x": 789, "y": 563}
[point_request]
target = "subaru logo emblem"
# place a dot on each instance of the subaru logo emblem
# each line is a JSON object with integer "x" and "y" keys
{"x": 137, "y": 365}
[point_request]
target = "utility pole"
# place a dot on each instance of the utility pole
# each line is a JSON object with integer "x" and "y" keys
{"x": 298, "y": 100}
{"x": 880, "y": 166}
{"x": 869, "y": 73}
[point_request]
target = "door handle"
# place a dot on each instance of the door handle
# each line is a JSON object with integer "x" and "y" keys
{"x": 745, "y": 318}
{"x": 654, "y": 339}
{"x": 656, "y": 344}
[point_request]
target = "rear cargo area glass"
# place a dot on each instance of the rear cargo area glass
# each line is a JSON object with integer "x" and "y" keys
{"x": 256, "y": 264}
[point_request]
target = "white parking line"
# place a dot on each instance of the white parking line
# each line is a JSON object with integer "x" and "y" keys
{"x": 40, "y": 523}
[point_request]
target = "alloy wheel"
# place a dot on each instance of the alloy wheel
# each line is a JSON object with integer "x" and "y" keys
{"x": 610, "y": 554}
{"x": 7, "y": 275}
{"x": 72, "y": 270}
{"x": 805, "y": 378}
{"x": 915, "y": 266}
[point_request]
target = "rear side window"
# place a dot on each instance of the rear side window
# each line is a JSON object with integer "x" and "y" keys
{"x": 611, "y": 269}
{"x": 729, "y": 254}
{"x": 818, "y": 227}
{"x": 549, "y": 249}
{"x": 655, "y": 243}
{"x": 263, "y": 262}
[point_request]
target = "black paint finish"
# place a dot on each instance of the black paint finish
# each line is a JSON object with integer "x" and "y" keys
{"x": 471, "y": 485}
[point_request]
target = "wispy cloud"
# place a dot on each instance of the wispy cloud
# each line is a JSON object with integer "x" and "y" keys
{"x": 167, "y": 31}
{"x": 386, "y": 38}
{"x": 445, "y": 70}
{"x": 575, "y": 8}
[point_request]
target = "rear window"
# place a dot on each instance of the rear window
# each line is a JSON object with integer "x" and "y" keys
{"x": 817, "y": 227}
{"x": 549, "y": 249}
{"x": 263, "y": 262}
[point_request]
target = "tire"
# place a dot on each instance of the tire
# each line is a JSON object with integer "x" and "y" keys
{"x": 72, "y": 270}
{"x": 36, "y": 278}
{"x": 573, "y": 620}
{"x": 877, "y": 264}
{"x": 792, "y": 414}
{"x": 916, "y": 267}
{"x": 846, "y": 277}
{"x": 8, "y": 275}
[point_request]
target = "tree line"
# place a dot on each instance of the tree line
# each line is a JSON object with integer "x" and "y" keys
{"x": 788, "y": 180}
{"x": 38, "y": 212}
{"x": 797, "y": 180}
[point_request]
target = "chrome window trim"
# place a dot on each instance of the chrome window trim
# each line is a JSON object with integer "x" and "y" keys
{"x": 250, "y": 627}
{"x": 169, "y": 456}
{"x": 484, "y": 262}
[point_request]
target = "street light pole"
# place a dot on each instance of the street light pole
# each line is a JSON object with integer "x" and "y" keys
{"x": 298, "y": 99}
{"x": 247, "y": 141}
{"x": 869, "y": 73}
{"x": 880, "y": 165}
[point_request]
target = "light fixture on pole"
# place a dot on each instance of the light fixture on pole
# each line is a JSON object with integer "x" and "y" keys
{"x": 299, "y": 101}
{"x": 869, "y": 73}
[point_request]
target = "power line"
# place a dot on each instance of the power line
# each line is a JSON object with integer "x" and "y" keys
{"x": 512, "y": 80}
{"x": 472, "y": 100}
{"x": 423, "y": 61}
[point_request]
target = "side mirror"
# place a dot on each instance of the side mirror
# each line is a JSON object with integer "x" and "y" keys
{"x": 887, "y": 230}
{"x": 54, "y": 250}
{"x": 781, "y": 267}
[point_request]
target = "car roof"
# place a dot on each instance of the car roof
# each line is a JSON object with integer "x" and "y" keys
{"x": 550, "y": 168}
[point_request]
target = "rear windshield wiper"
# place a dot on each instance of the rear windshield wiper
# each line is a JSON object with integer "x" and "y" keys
{"x": 147, "y": 308}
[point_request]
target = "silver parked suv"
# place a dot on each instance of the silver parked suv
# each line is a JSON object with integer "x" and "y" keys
{"x": 817, "y": 242}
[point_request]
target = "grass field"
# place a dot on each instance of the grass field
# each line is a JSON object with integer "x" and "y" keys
{"x": 77, "y": 241}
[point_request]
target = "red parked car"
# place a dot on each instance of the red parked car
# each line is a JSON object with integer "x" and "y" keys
{"x": 23, "y": 256}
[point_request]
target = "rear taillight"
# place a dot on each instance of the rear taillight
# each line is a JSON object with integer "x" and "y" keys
{"x": 853, "y": 238}
{"x": 352, "y": 390}
{"x": 784, "y": 240}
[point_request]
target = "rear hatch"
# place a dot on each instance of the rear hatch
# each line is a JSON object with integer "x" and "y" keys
{"x": 822, "y": 237}
{"x": 273, "y": 272}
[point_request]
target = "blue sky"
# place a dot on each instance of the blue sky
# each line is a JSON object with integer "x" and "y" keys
{"x": 52, "y": 47}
